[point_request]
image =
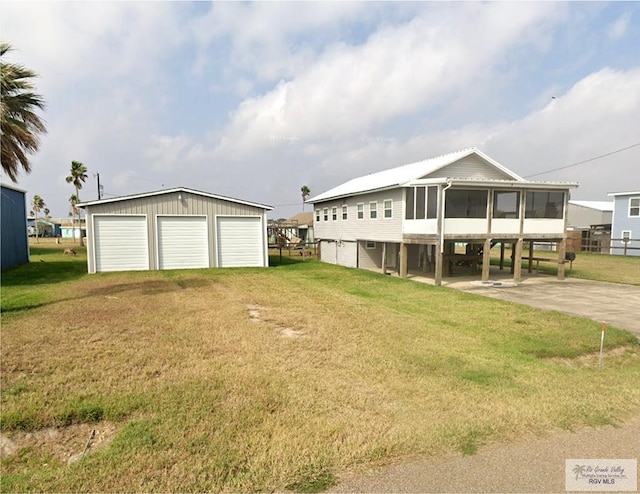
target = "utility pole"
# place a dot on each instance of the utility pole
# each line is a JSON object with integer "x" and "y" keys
{"x": 99, "y": 187}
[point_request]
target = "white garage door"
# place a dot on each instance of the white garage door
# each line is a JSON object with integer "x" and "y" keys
{"x": 182, "y": 242}
{"x": 121, "y": 243}
{"x": 240, "y": 242}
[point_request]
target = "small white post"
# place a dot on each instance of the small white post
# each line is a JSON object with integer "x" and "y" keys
{"x": 604, "y": 325}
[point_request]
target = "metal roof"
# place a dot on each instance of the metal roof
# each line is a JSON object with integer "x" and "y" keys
{"x": 632, "y": 193}
{"x": 402, "y": 175}
{"x": 598, "y": 205}
{"x": 171, "y": 191}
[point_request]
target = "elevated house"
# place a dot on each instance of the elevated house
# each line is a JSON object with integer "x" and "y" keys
{"x": 413, "y": 216}
{"x": 625, "y": 230}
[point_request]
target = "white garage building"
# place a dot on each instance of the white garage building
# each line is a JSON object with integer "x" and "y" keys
{"x": 175, "y": 229}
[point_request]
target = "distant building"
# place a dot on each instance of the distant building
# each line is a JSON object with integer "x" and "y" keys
{"x": 13, "y": 239}
{"x": 589, "y": 226}
{"x": 625, "y": 230}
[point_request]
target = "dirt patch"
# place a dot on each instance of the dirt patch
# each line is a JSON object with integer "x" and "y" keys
{"x": 65, "y": 444}
{"x": 589, "y": 360}
{"x": 256, "y": 314}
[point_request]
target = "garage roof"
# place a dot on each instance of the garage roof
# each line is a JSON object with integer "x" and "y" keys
{"x": 173, "y": 191}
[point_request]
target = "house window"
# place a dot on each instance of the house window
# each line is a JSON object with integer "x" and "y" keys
{"x": 345, "y": 210}
{"x": 421, "y": 203}
{"x": 506, "y": 204}
{"x": 373, "y": 210}
{"x": 317, "y": 215}
{"x": 432, "y": 202}
{"x": 388, "y": 208}
{"x": 421, "y": 195}
{"x": 360, "y": 207}
{"x": 334, "y": 213}
{"x": 544, "y": 204}
{"x": 462, "y": 203}
{"x": 634, "y": 206}
{"x": 626, "y": 236}
{"x": 369, "y": 245}
{"x": 325, "y": 214}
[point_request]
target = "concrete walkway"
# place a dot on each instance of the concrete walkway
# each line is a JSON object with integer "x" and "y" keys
{"x": 533, "y": 464}
{"x": 615, "y": 304}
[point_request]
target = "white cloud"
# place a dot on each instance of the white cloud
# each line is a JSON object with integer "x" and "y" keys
{"x": 619, "y": 28}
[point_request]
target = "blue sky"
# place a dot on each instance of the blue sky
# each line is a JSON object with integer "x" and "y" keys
{"x": 254, "y": 100}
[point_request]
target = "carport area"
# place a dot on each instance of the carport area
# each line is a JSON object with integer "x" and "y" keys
{"x": 613, "y": 303}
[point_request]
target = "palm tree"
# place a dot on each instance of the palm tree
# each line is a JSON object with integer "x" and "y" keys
{"x": 37, "y": 204}
{"x": 305, "y": 193}
{"x": 19, "y": 123}
{"x": 77, "y": 177}
{"x": 74, "y": 211}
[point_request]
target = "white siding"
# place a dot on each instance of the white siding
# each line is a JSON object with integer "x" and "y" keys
{"x": 543, "y": 226}
{"x": 379, "y": 229}
{"x": 328, "y": 252}
{"x": 240, "y": 242}
{"x": 465, "y": 226}
{"x": 121, "y": 243}
{"x": 182, "y": 242}
{"x": 505, "y": 226}
{"x": 470, "y": 167}
{"x": 347, "y": 254}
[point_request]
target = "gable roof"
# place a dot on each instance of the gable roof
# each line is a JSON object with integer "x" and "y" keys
{"x": 395, "y": 177}
{"x": 172, "y": 191}
{"x": 303, "y": 218}
{"x": 605, "y": 206}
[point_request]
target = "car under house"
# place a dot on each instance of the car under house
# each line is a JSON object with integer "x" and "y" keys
{"x": 439, "y": 213}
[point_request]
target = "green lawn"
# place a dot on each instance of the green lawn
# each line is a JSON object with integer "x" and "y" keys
{"x": 278, "y": 378}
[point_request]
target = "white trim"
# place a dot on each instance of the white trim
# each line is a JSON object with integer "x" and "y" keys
{"x": 358, "y": 210}
{"x": 629, "y": 215}
{"x": 173, "y": 191}
{"x": 371, "y": 211}
{"x": 384, "y": 209}
{"x": 369, "y": 244}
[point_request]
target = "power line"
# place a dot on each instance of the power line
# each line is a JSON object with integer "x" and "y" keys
{"x": 585, "y": 161}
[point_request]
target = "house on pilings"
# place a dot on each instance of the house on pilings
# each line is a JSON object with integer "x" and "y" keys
{"x": 420, "y": 216}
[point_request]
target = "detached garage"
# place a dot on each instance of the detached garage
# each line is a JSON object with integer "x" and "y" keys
{"x": 175, "y": 229}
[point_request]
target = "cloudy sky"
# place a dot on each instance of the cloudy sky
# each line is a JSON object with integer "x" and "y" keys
{"x": 254, "y": 100}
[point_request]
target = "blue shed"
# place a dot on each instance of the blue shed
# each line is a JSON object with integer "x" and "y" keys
{"x": 14, "y": 243}
{"x": 625, "y": 231}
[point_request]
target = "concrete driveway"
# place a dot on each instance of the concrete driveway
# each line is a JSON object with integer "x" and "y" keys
{"x": 616, "y": 304}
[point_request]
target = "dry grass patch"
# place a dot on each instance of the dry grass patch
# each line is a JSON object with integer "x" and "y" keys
{"x": 209, "y": 393}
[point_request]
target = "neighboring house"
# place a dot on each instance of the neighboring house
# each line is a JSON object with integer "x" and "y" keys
{"x": 175, "y": 229}
{"x": 412, "y": 216}
{"x": 304, "y": 226}
{"x": 625, "y": 231}
{"x": 589, "y": 225}
{"x": 296, "y": 231}
{"x": 14, "y": 242}
{"x": 69, "y": 229}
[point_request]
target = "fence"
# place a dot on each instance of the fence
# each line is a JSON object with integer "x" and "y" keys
{"x": 602, "y": 243}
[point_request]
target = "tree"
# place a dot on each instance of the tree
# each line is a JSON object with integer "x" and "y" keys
{"x": 46, "y": 212}
{"x": 306, "y": 191}
{"x": 77, "y": 177}
{"x": 19, "y": 123}
{"x": 73, "y": 200}
{"x": 37, "y": 204}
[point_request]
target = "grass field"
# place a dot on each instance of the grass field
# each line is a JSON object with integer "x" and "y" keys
{"x": 279, "y": 378}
